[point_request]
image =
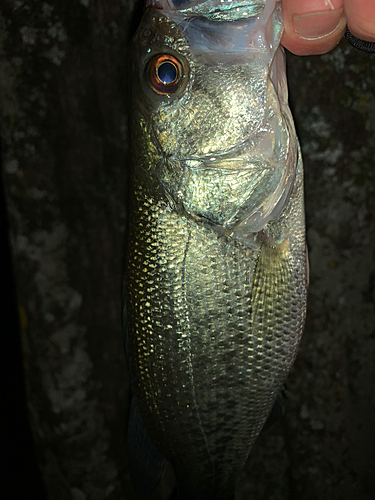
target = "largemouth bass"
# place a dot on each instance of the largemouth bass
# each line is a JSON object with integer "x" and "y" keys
{"x": 216, "y": 282}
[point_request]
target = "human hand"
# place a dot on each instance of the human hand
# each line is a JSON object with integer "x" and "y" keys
{"x": 317, "y": 26}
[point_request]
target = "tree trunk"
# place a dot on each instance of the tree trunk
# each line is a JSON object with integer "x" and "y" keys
{"x": 64, "y": 129}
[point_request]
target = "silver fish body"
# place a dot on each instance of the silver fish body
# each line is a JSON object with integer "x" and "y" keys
{"x": 216, "y": 283}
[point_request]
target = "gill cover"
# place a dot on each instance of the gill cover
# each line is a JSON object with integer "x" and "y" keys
{"x": 225, "y": 54}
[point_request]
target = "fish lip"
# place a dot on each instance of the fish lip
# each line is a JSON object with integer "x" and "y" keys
{"x": 203, "y": 5}
{"x": 224, "y": 31}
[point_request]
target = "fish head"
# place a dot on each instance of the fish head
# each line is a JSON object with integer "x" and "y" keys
{"x": 211, "y": 122}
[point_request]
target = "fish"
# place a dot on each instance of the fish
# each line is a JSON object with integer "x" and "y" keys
{"x": 215, "y": 280}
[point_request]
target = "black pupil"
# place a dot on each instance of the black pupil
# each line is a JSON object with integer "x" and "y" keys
{"x": 167, "y": 72}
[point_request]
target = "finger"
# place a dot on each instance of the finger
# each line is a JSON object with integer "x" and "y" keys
{"x": 312, "y": 26}
{"x": 361, "y": 18}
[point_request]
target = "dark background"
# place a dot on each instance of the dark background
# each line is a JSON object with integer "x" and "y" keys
{"x": 63, "y": 91}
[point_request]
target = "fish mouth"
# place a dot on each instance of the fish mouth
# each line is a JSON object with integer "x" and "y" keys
{"x": 220, "y": 25}
{"x": 214, "y": 7}
{"x": 225, "y": 10}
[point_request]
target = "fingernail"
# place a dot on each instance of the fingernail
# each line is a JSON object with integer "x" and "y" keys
{"x": 317, "y": 24}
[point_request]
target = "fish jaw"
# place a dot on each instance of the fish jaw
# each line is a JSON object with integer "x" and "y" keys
{"x": 208, "y": 24}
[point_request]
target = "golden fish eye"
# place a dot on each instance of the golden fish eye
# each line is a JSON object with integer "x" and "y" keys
{"x": 164, "y": 74}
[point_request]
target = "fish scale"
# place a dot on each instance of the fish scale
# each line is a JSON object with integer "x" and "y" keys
{"x": 194, "y": 359}
{"x": 215, "y": 283}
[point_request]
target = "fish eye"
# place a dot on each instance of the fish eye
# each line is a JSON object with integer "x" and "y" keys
{"x": 164, "y": 74}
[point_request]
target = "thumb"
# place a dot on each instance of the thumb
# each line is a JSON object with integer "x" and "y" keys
{"x": 312, "y": 26}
